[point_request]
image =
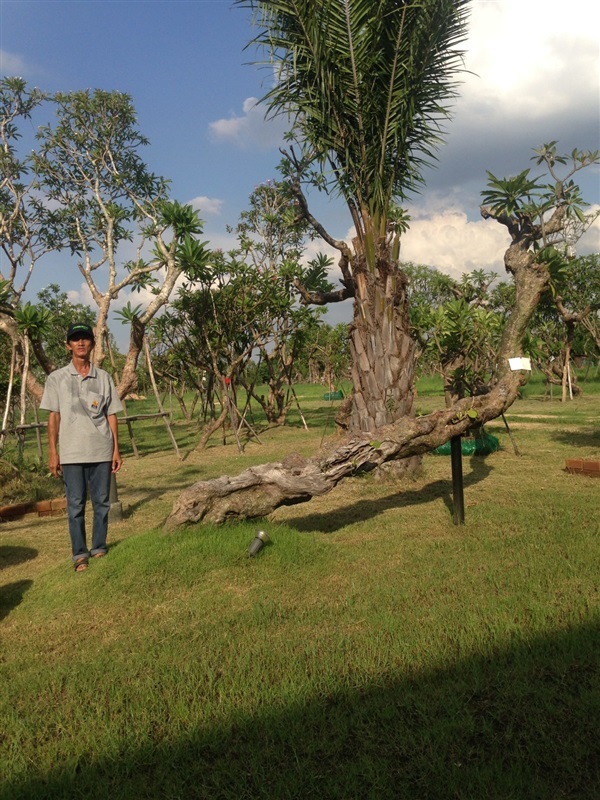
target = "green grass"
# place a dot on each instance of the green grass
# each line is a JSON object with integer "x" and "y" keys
{"x": 373, "y": 650}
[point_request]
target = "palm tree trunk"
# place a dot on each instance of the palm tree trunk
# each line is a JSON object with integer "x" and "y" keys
{"x": 383, "y": 358}
{"x": 383, "y": 353}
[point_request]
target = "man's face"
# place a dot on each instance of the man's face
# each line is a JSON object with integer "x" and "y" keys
{"x": 80, "y": 345}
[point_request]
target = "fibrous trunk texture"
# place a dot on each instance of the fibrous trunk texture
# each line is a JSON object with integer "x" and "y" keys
{"x": 383, "y": 356}
{"x": 383, "y": 353}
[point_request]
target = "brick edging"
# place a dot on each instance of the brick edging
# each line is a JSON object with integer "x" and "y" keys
{"x": 43, "y": 508}
{"x": 583, "y": 466}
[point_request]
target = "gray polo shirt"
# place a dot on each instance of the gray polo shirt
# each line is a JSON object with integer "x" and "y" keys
{"x": 84, "y": 435}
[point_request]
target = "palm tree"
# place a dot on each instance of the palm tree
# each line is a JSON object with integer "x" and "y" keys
{"x": 367, "y": 84}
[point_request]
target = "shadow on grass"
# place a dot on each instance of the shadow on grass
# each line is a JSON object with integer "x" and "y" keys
{"x": 177, "y": 480}
{"x": 515, "y": 723}
{"x": 11, "y": 555}
{"x": 11, "y": 595}
{"x": 589, "y": 437}
{"x": 364, "y": 510}
{"x": 131, "y": 509}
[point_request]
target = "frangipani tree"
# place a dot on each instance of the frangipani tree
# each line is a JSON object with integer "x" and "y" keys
{"x": 86, "y": 191}
{"x": 29, "y": 228}
{"x": 91, "y": 167}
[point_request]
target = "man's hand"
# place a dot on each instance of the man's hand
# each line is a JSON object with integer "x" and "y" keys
{"x": 54, "y": 464}
{"x": 54, "y": 458}
{"x": 117, "y": 461}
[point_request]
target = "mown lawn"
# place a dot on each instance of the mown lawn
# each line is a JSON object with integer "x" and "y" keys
{"x": 373, "y": 650}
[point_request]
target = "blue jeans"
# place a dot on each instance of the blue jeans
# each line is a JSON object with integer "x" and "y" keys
{"x": 77, "y": 478}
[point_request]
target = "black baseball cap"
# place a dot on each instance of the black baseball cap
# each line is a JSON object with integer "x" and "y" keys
{"x": 80, "y": 329}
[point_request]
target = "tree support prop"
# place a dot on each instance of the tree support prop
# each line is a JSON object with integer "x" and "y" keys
{"x": 458, "y": 494}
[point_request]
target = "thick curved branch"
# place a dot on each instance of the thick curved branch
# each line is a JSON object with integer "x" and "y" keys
{"x": 44, "y": 360}
{"x": 322, "y": 298}
{"x": 339, "y": 244}
{"x": 504, "y": 219}
{"x": 259, "y": 490}
{"x": 574, "y": 316}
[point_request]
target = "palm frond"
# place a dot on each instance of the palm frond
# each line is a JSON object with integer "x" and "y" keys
{"x": 368, "y": 84}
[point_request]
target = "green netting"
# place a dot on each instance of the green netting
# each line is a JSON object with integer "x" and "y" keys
{"x": 334, "y": 395}
{"x": 481, "y": 446}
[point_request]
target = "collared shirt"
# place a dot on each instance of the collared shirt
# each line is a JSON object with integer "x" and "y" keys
{"x": 84, "y": 435}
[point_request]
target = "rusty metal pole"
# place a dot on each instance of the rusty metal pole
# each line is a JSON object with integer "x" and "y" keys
{"x": 458, "y": 495}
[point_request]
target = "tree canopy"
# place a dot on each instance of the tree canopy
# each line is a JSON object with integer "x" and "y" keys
{"x": 366, "y": 85}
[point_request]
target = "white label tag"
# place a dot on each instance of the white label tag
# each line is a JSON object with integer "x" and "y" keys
{"x": 519, "y": 363}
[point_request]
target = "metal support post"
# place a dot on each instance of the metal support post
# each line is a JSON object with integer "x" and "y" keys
{"x": 458, "y": 495}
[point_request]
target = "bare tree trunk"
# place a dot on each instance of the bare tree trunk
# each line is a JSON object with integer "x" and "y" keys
{"x": 213, "y": 426}
{"x": 24, "y": 374}
{"x": 11, "y": 383}
{"x": 129, "y": 379}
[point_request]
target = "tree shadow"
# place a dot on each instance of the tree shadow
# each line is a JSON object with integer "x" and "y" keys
{"x": 175, "y": 481}
{"x": 11, "y": 555}
{"x": 364, "y": 510}
{"x": 589, "y": 437}
{"x": 11, "y": 595}
{"x": 517, "y": 721}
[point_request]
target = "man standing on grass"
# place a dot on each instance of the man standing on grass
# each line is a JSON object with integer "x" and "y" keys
{"x": 84, "y": 440}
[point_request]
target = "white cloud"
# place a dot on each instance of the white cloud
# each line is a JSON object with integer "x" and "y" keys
{"x": 534, "y": 78}
{"x": 207, "y": 205}
{"x": 538, "y": 56}
{"x": 251, "y": 129}
{"x": 11, "y": 64}
{"x": 81, "y": 295}
{"x": 454, "y": 244}
{"x": 590, "y": 241}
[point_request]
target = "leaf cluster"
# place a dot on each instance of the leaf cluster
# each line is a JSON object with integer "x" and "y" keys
{"x": 546, "y": 212}
{"x": 366, "y": 85}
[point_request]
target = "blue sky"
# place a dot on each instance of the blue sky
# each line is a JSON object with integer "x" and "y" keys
{"x": 536, "y": 78}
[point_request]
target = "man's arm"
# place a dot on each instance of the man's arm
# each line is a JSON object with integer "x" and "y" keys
{"x": 53, "y": 428}
{"x": 117, "y": 461}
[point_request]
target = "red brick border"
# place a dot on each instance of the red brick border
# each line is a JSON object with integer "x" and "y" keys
{"x": 45, "y": 508}
{"x": 583, "y": 466}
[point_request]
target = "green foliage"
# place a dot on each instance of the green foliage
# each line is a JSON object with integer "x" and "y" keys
{"x": 90, "y": 164}
{"x": 5, "y": 292}
{"x": 128, "y": 313}
{"x": 26, "y": 481}
{"x": 325, "y": 356}
{"x": 183, "y": 219}
{"x": 33, "y": 320}
{"x": 548, "y": 217}
{"x": 366, "y": 85}
{"x": 458, "y": 324}
{"x": 315, "y": 275}
{"x": 193, "y": 258}
{"x": 30, "y": 227}
{"x": 512, "y": 196}
{"x": 61, "y": 313}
